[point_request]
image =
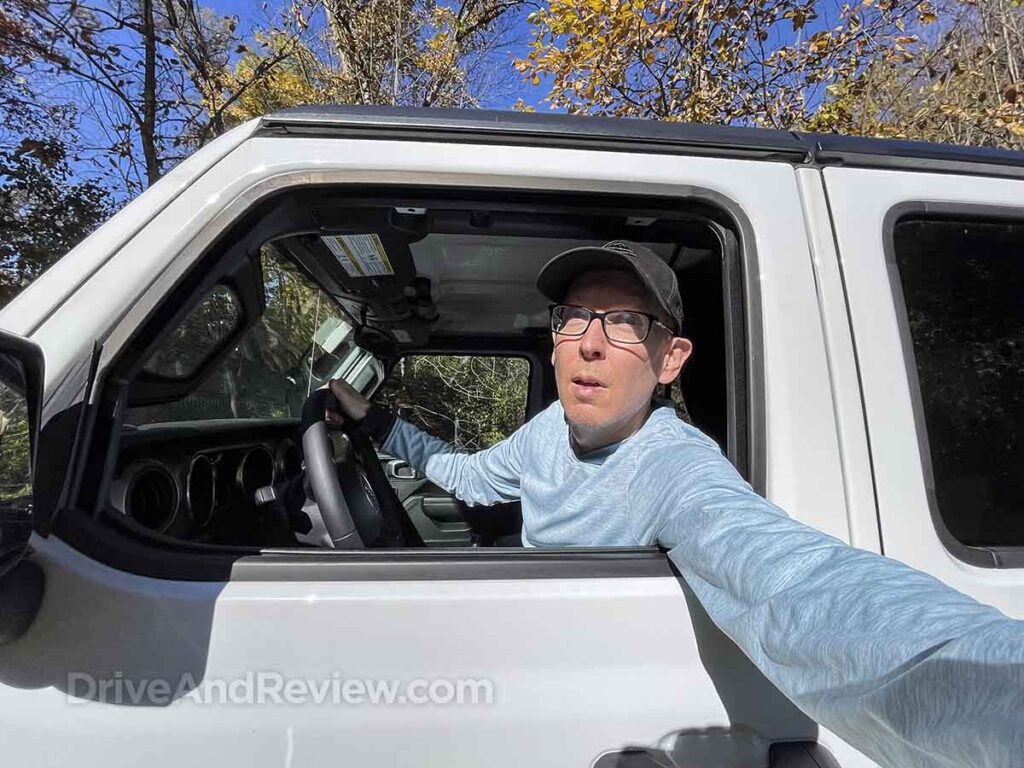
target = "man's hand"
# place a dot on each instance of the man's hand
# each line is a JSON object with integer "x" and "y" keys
{"x": 354, "y": 405}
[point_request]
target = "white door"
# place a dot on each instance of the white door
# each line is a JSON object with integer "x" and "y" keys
{"x": 568, "y": 654}
{"x": 933, "y": 270}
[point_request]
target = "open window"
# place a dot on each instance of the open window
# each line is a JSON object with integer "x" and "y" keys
{"x": 198, "y": 436}
{"x": 471, "y": 401}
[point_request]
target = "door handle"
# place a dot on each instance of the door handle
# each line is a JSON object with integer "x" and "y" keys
{"x": 401, "y": 470}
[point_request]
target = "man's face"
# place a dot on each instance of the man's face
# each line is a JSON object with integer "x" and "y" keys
{"x": 605, "y": 387}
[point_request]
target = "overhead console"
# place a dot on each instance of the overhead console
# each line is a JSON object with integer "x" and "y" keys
{"x": 359, "y": 244}
{"x": 364, "y": 260}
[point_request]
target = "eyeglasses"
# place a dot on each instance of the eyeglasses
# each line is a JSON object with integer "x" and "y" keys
{"x": 623, "y": 326}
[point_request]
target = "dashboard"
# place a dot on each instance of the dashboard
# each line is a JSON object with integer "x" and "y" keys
{"x": 198, "y": 480}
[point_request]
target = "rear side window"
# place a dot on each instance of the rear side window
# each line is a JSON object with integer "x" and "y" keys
{"x": 471, "y": 401}
{"x": 963, "y": 286}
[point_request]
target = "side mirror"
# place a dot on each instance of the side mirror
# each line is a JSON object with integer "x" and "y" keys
{"x": 21, "y": 394}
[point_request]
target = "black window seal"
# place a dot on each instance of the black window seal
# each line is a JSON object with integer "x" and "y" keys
{"x": 983, "y": 557}
{"x": 534, "y": 130}
{"x": 134, "y": 551}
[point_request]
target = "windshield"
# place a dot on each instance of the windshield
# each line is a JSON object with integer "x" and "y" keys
{"x": 302, "y": 340}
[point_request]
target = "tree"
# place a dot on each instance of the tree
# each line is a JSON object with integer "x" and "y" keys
{"x": 206, "y": 44}
{"x": 43, "y": 211}
{"x": 471, "y": 401}
{"x": 422, "y": 53}
{"x": 151, "y": 78}
{"x": 764, "y": 62}
{"x": 962, "y": 86}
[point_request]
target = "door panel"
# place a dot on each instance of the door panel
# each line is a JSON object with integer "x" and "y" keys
{"x": 434, "y": 511}
{"x": 865, "y": 205}
{"x": 574, "y": 667}
{"x": 441, "y": 519}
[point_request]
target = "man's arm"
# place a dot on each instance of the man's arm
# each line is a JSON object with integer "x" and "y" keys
{"x": 906, "y": 669}
{"x": 486, "y": 477}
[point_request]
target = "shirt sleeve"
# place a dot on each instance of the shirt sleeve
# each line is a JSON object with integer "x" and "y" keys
{"x": 483, "y": 478}
{"x": 901, "y": 666}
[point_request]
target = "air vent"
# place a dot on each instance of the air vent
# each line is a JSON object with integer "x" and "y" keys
{"x": 255, "y": 471}
{"x": 152, "y": 498}
{"x": 200, "y": 489}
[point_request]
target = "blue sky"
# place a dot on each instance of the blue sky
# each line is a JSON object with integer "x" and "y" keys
{"x": 251, "y": 14}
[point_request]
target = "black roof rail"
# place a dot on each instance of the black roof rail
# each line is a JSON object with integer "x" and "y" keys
{"x": 859, "y": 151}
{"x": 632, "y": 135}
{"x": 532, "y": 129}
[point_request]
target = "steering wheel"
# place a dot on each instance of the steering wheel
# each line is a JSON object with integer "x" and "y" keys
{"x": 358, "y": 506}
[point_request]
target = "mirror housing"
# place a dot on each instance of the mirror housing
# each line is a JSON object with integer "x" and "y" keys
{"x": 21, "y": 395}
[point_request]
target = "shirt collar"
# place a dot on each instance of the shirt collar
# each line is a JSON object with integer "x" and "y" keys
{"x": 598, "y": 455}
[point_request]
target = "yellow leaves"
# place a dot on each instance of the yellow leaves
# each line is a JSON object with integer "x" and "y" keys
{"x": 702, "y": 60}
{"x": 820, "y": 42}
{"x": 799, "y": 16}
{"x": 926, "y": 13}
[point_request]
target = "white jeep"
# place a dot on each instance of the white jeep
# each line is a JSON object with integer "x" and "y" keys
{"x": 170, "y": 591}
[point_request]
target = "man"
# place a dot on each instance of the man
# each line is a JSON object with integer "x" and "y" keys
{"x": 906, "y": 669}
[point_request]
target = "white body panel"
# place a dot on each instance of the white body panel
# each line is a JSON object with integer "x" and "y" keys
{"x": 860, "y": 201}
{"x": 560, "y": 655}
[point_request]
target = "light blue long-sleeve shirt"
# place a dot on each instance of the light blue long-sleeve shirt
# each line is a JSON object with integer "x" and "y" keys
{"x": 906, "y": 669}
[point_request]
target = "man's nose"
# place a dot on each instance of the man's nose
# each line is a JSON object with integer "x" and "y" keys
{"x": 594, "y": 344}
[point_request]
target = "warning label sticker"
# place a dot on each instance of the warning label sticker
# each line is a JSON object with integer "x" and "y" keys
{"x": 360, "y": 255}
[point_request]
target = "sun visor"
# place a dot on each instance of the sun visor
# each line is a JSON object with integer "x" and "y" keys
{"x": 373, "y": 265}
{"x": 366, "y": 261}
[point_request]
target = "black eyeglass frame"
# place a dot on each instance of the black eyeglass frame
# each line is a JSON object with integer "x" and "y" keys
{"x": 653, "y": 321}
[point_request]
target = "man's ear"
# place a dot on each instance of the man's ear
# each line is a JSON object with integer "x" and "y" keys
{"x": 676, "y": 355}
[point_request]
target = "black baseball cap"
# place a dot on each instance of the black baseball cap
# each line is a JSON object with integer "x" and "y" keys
{"x": 557, "y": 275}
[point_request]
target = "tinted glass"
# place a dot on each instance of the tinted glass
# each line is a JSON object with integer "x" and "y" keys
{"x": 199, "y": 335}
{"x": 963, "y": 286}
{"x": 302, "y": 340}
{"x": 471, "y": 401}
